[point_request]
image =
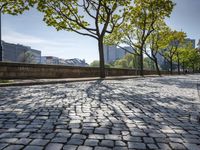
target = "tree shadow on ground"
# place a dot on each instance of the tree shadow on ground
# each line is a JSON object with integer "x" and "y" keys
{"x": 185, "y": 82}
{"x": 112, "y": 110}
{"x": 163, "y": 119}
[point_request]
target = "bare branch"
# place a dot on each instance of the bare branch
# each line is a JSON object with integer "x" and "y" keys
{"x": 90, "y": 30}
{"x": 126, "y": 49}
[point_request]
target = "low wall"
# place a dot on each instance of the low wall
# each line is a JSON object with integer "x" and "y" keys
{"x": 39, "y": 71}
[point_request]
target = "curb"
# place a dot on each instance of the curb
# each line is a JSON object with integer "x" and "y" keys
{"x": 32, "y": 83}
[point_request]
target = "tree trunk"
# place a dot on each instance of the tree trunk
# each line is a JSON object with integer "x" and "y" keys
{"x": 178, "y": 66}
{"x": 171, "y": 66}
{"x": 193, "y": 68}
{"x": 101, "y": 58}
{"x": 157, "y": 68}
{"x": 141, "y": 63}
{"x": 156, "y": 64}
{"x": 183, "y": 68}
{"x": 137, "y": 64}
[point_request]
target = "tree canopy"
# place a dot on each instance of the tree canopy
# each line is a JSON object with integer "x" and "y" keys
{"x": 15, "y": 7}
{"x": 140, "y": 23}
{"x": 86, "y": 17}
{"x": 170, "y": 44}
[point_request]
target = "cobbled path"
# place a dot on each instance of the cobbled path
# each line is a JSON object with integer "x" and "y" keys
{"x": 143, "y": 113}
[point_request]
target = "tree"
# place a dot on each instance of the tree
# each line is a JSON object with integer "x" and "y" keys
{"x": 93, "y": 18}
{"x": 148, "y": 64}
{"x": 121, "y": 63}
{"x": 154, "y": 43}
{"x": 140, "y": 23}
{"x": 128, "y": 61}
{"x": 194, "y": 59}
{"x": 182, "y": 55}
{"x": 96, "y": 63}
{"x": 132, "y": 60}
{"x": 13, "y": 7}
{"x": 170, "y": 43}
{"x": 28, "y": 57}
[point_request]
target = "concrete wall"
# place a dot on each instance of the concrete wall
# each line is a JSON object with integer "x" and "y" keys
{"x": 38, "y": 71}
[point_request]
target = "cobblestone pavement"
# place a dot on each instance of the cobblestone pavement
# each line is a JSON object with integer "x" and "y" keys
{"x": 143, "y": 113}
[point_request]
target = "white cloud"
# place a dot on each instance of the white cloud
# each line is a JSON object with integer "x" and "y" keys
{"x": 29, "y": 40}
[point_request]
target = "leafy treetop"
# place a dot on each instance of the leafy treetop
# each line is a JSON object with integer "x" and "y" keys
{"x": 96, "y": 17}
{"x": 15, "y": 7}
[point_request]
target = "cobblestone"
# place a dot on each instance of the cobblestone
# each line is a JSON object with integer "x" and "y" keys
{"x": 84, "y": 148}
{"x": 136, "y": 145}
{"x": 3, "y": 146}
{"x": 177, "y": 146}
{"x": 39, "y": 142}
{"x": 69, "y": 147}
{"x": 143, "y": 113}
{"x": 107, "y": 143}
{"x": 75, "y": 142}
{"x": 14, "y": 147}
{"x": 91, "y": 142}
{"x": 23, "y": 141}
{"x": 54, "y": 146}
{"x": 33, "y": 148}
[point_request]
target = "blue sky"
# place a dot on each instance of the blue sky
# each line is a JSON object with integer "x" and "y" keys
{"x": 29, "y": 29}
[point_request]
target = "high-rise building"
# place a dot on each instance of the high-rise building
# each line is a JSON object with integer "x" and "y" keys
{"x": 113, "y": 53}
{"x": 162, "y": 62}
{"x": 198, "y": 45}
{"x": 192, "y": 41}
{"x": 20, "y": 53}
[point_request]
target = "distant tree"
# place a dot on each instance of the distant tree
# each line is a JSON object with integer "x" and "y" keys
{"x": 132, "y": 60}
{"x": 96, "y": 63}
{"x": 148, "y": 63}
{"x": 121, "y": 63}
{"x": 154, "y": 43}
{"x": 93, "y": 18}
{"x": 182, "y": 55}
{"x": 170, "y": 42}
{"x": 139, "y": 25}
{"x": 128, "y": 61}
{"x": 194, "y": 59}
{"x": 29, "y": 57}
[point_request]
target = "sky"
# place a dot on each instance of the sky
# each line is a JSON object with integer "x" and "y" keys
{"x": 30, "y": 30}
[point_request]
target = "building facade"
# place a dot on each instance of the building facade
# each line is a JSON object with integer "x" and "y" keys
{"x": 20, "y": 53}
{"x": 67, "y": 62}
{"x": 51, "y": 60}
{"x": 192, "y": 41}
{"x": 113, "y": 53}
{"x": 76, "y": 62}
{"x": 198, "y": 45}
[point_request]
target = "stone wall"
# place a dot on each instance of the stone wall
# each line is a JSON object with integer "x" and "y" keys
{"x": 38, "y": 71}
